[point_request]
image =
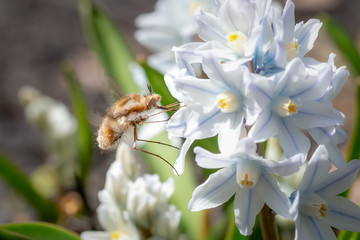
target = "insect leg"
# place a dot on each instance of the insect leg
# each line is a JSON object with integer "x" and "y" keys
{"x": 144, "y": 151}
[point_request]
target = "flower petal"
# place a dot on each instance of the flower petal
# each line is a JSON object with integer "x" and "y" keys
{"x": 209, "y": 27}
{"x": 180, "y": 161}
{"x": 199, "y": 91}
{"x": 314, "y": 114}
{"x": 306, "y": 35}
{"x": 247, "y": 204}
{"x": 206, "y": 159}
{"x": 337, "y": 181}
{"x": 277, "y": 200}
{"x": 343, "y": 214}
{"x": 317, "y": 168}
{"x": 312, "y": 228}
{"x": 335, "y": 155}
{"x": 95, "y": 235}
{"x": 285, "y": 167}
{"x": 264, "y": 127}
{"x": 291, "y": 139}
{"x": 216, "y": 190}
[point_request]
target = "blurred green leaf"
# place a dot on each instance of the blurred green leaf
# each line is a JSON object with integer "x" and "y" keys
{"x": 22, "y": 186}
{"x": 35, "y": 231}
{"x": 354, "y": 150}
{"x": 346, "y": 235}
{"x": 84, "y": 134}
{"x": 109, "y": 45}
{"x": 344, "y": 42}
{"x": 157, "y": 82}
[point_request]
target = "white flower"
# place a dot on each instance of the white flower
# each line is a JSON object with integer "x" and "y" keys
{"x": 53, "y": 117}
{"x": 247, "y": 175}
{"x": 171, "y": 24}
{"x": 117, "y": 226}
{"x": 121, "y": 173}
{"x": 147, "y": 204}
{"x": 211, "y": 105}
{"x": 315, "y": 203}
{"x": 331, "y": 136}
{"x": 289, "y": 103}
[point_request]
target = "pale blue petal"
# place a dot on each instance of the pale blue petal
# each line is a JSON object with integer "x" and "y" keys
{"x": 229, "y": 137}
{"x": 162, "y": 61}
{"x": 291, "y": 139}
{"x": 206, "y": 159}
{"x": 247, "y": 204}
{"x": 335, "y": 155}
{"x": 317, "y": 168}
{"x": 338, "y": 82}
{"x": 264, "y": 127}
{"x": 186, "y": 55}
{"x": 340, "y": 135}
{"x": 200, "y": 91}
{"x": 215, "y": 72}
{"x": 180, "y": 161}
{"x": 312, "y": 228}
{"x": 322, "y": 135}
{"x": 261, "y": 89}
{"x": 306, "y": 35}
{"x": 237, "y": 16}
{"x": 209, "y": 28}
{"x": 95, "y": 235}
{"x": 177, "y": 124}
{"x": 216, "y": 190}
{"x": 314, "y": 114}
{"x": 285, "y": 167}
{"x": 337, "y": 181}
{"x": 270, "y": 192}
{"x": 158, "y": 39}
{"x": 313, "y": 86}
{"x": 204, "y": 123}
{"x": 343, "y": 214}
{"x": 294, "y": 80}
{"x": 288, "y": 20}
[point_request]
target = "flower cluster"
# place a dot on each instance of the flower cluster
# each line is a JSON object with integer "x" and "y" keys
{"x": 132, "y": 206}
{"x": 246, "y": 82}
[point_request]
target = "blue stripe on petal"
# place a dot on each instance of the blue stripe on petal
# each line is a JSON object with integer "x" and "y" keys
{"x": 290, "y": 135}
{"x": 276, "y": 191}
{"x": 317, "y": 229}
{"x": 221, "y": 185}
{"x": 334, "y": 181}
{"x": 181, "y": 85}
{"x": 202, "y": 123}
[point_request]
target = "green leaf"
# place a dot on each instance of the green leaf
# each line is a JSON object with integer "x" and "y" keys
{"x": 109, "y": 45}
{"x": 22, "y": 186}
{"x": 346, "y": 235}
{"x": 84, "y": 134}
{"x": 157, "y": 82}
{"x": 35, "y": 231}
{"x": 344, "y": 42}
{"x": 354, "y": 151}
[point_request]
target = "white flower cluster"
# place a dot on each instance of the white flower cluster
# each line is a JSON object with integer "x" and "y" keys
{"x": 248, "y": 81}
{"x": 132, "y": 206}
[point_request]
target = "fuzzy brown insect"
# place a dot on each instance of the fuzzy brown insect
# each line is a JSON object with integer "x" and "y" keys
{"x": 129, "y": 112}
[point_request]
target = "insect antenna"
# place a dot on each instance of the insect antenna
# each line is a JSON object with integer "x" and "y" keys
{"x": 156, "y": 155}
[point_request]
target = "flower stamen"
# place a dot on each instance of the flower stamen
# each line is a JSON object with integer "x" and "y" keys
{"x": 247, "y": 183}
{"x": 292, "y": 49}
{"x": 227, "y": 102}
{"x": 236, "y": 41}
{"x": 287, "y": 107}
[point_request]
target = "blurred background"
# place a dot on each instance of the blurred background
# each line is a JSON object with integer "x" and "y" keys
{"x": 38, "y": 36}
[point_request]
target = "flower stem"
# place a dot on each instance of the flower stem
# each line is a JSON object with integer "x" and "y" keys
{"x": 267, "y": 223}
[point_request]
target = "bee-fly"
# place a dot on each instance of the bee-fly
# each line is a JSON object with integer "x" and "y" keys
{"x": 129, "y": 112}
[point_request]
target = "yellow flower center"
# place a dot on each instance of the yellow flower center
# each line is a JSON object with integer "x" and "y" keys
{"x": 194, "y": 6}
{"x": 227, "y": 102}
{"x": 286, "y": 107}
{"x": 292, "y": 49}
{"x": 245, "y": 182}
{"x": 236, "y": 41}
{"x": 116, "y": 235}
